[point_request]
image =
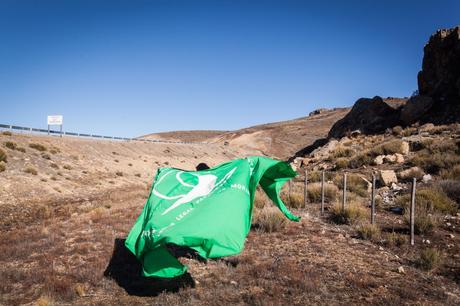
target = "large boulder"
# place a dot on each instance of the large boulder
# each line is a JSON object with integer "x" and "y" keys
{"x": 369, "y": 116}
{"x": 415, "y": 108}
{"x": 387, "y": 177}
{"x": 439, "y": 78}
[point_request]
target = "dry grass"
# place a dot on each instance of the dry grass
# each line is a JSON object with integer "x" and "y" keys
{"x": 397, "y": 130}
{"x": 429, "y": 259}
{"x": 352, "y": 214}
{"x": 21, "y": 149}
{"x": 3, "y": 157}
{"x": 2, "y": 166}
{"x": 390, "y": 147}
{"x": 38, "y": 147}
{"x": 355, "y": 184}
{"x": 369, "y": 232}
{"x": 341, "y": 163}
{"x": 296, "y": 200}
{"x": 269, "y": 219}
{"x": 360, "y": 160}
{"x": 7, "y": 133}
{"x": 343, "y": 152}
{"x": 10, "y": 145}
{"x": 437, "y": 156}
{"x": 31, "y": 170}
{"x": 451, "y": 173}
{"x": 411, "y": 173}
{"x": 451, "y": 189}
{"x": 314, "y": 193}
{"x": 394, "y": 239}
{"x": 429, "y": 200}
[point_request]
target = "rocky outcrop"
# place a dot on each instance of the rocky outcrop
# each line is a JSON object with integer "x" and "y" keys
{"x": 369, "y": 116}
{"x": 439, "y": 78}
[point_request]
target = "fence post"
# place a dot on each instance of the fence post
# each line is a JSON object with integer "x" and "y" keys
{"x": 305, "y": 191}
{"x": 322, "y": 193}
{"x": 412, "y": 211}
{"x": 344, "y": 198}
{"x": 373, "y": 200}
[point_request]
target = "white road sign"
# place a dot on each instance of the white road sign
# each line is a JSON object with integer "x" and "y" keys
{"x": 55, "y": 120}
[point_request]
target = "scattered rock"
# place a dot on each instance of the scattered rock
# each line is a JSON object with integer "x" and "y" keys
{"x": 389, "y": 159}
{"x": 396, "y": 187}
{"x": 426, "y": 178}
{"x": 401, "y": 270}
{"x": 409, "y": 173}
{"x": 318, "y": 111}
{"x": 369, "y": 116}
{"x": 451, "y": 236}
{"x": 387, "y": 177}
{"x": 399, "y": 158}
{"x": 234, "y": 283}
{"x": 379, "y": 160}
{"x": 405, "y": 149}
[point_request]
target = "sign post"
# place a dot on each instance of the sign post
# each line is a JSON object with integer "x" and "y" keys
{"x": 55, "y": 120}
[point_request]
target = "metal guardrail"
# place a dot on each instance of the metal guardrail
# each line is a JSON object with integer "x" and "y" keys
{"x": 45, "y": 131}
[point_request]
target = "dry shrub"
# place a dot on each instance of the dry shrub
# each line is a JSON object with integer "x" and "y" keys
{"x": 45, "y": 301}
{"x": 390, "y": 147}
{"x": 395, "y": 239}
{"x": 10, "y": 145}
{"x": 369, "y": 232}
{"x": 355, "y": 184}
{"x": 2, "y": 166}
{"x": 119, "y": 173}
{"x": 409, "y": 131}
{"x": 269, "y": 219}
{"x": 21, "y": 149}
{"x": 7, "y": 133}
{"x": 314, "y": 193}
{"x": 46, "y": 156}
{"x": 352, "y": 214}
{"x": 413, "y": 172}
{"x": 296, "y": 200}
{"x": 315, "y": 176}
{"x": 31, "y": 170}
{"x": 451, "y": 173}
{"x": 360, "y": 160}
{"x": 260, "y": 199}
{"x": 54, "y": 165}
{"x": 67, "y": 167}
{"x": 451, "y": 189}
{"x": 54, "y": 150}
{"x": 2, "y": 156}
{"x": 429, "y": 200}
{"x": 437, "y": 156}
{"x": 429, "y": 259}
{"x": 137, "y": 175}
{"x": 341, "y": 163}
{"x": 397, "y": 130}
{"x": 38, "y": 147}
{"x": 343, "y": 152}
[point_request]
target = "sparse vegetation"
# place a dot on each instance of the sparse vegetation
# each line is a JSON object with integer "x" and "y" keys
{"x": 296, "y": 200}
{"x": 46, "y": 156}
{"x": 430, "y": 258}
{"x": 7, "y": 133}
{"x": 119, "y": 173}
{"x": 31, "y": 170}
{"x": 395, "y": 239}
{"x": 341, "y": 163}
{"x": 343, "y": 152}
{"x": 2, "y": 166}
{"x": 451, "y": 173}
{"x": 38, "y": 147}
{"x": 360, "y": 160}
{"x": 437, "y": 156}
{"x": 137, "y": 175}
{"x": 390, "y": 147}
{"x": 54, "y": 165}
{"x": 21, "y": 149}
{"x": 352, "y": 214}
{"x": 407, "y": 176}
{"x": 397, "y": 130}
{"x": 355, "y": 184}
{"x": 10, "y": 145}
{"x": 429, "y": 200}
{"x": 67, "y": 167}
{"x": 3, "y": 157}
{"x": 451, "y": 189}
{"x": 269, "y": 219}
{"x": 369, "y": 232}
{"x": 314, "y": 193}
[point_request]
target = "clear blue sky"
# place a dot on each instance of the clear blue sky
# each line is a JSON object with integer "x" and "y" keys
{"x": 129, "y": 68}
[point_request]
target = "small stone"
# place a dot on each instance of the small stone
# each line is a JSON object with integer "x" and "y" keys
{"x": 380, "y": 248}
{"x": 451, "y": 236}
{"x": 234, "y": 283}
{"x": 378, "y": 160}
{"x": 426, "y": 178}
{"x": 401, "y": 270}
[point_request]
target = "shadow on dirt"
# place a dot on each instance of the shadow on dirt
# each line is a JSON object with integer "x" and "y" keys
{"x": 126, "y": 270}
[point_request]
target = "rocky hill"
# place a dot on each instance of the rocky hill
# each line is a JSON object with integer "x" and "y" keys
{"x": 279, "y": 139}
